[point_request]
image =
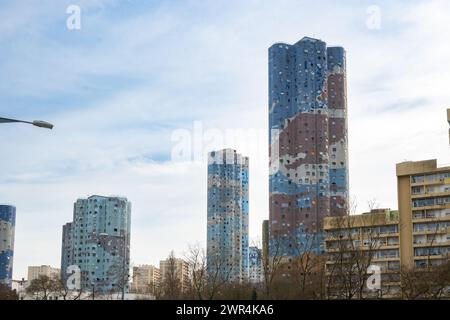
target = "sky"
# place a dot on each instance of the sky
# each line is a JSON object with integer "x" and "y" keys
{"x": 144, "y": 89}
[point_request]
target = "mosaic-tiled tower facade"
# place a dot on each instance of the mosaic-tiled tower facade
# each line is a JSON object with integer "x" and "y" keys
{"x": 7, "y": 229}
{"x": 308, "y": 143}
{"x": 99, "y": 243}
{"x": 228, "y": 215}
{"x": 66, "y": 250}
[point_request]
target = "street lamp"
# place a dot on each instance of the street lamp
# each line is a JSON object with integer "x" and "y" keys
{"x": 37, "y": 123}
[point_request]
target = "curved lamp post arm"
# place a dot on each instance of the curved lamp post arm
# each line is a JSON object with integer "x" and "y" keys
{"x": 37, "y": 123}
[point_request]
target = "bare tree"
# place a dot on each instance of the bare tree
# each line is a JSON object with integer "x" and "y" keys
{"x": 271, "y": 265}
{"x": 7, "y": 294}
{"x": 42, "y": 287}
{"x": 211, "y": 276}
{"x": 171, "y": 280}
{"x": 308, "y": 269}
{"x": 414, "y": 284}
{"x": 371, "y": 204}
{"x": 61, "y": 288}
{"x": 430, "y": 281}
{"x": 354, "y": 248}
{"x": 440, "y": 282}
{"x": 196, "y": 259}
{"x": 218, "y": 274}
{"x": 118, "y": 273}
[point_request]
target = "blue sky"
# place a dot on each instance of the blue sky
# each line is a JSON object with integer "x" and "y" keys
{"x": 138, "y": 71}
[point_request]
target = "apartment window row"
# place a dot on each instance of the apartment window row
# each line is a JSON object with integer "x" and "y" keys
{"x": 385, "y": 254}
{"x": 430, "y": 202}
{"x": 431, "y": 214}
{"x": 417, "y": 190}
{"x": 433, "y": 251}
{"x": 423, "y": 263}
{"x": 431, "y": 226}
{"x": 430, "y": 177}
{"x": 369, "y": 243}
{"x": 379, "y": 254}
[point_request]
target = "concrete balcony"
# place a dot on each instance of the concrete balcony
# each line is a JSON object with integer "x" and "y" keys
{"x": 430, "y": 195}
{"x": 433, "y": 207}
{"x": 428, "y": 183}
{"x": 431, "y": 219}
{"x": 434, "y": 231}
{"x": 431, "y": 244}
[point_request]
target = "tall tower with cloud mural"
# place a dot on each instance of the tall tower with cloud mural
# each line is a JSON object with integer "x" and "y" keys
{"x": 308, "y": 143}
{"x": 7, "y": 229}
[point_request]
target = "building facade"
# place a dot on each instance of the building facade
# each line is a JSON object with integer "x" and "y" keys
{"x": 365, "y": 240}
{"x": 146, "y": 279}
{"x": 99, "y": 243}
{"x": 7, "y": 232}
{"x": 255, "y": 273}
{"x": 228, "y": 215}
{"x": 34, "y": 272}
{"x": 265, "y": 241}
{"x": 308, "y": 143}
{"x": 424, "y": 205}
{"x": 66, "y": 250}
{"x": 20, "y": 286}
{"x": 178, "y": 268}
{"x": 448, "y": 120}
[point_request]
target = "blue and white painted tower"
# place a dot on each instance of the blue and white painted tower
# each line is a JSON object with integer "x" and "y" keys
{"x": 7, "y": 228}
{"x": 308, "y": 143}
{"x": 228, "y": 215}
{"x": 98, "y": 242}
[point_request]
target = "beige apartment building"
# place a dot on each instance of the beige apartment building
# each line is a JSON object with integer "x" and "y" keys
{"x": 146, "y": 279}
{"x": 448, "y": 119}
{"x": 424, "y": 205}
{"x": 181, "y": 269}
{"x": 414, "y": 237}
{"x": 34, "y": 272}
{"x": 372, "y": 238}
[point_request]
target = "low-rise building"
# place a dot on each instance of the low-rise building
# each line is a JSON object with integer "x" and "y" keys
{"x": 146, "y": 279}
{"x": 34, "y": 272}
{"x": 179, "y": 267}
{"x": 360, "y": 245}
{"x": 20, "y": 286}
